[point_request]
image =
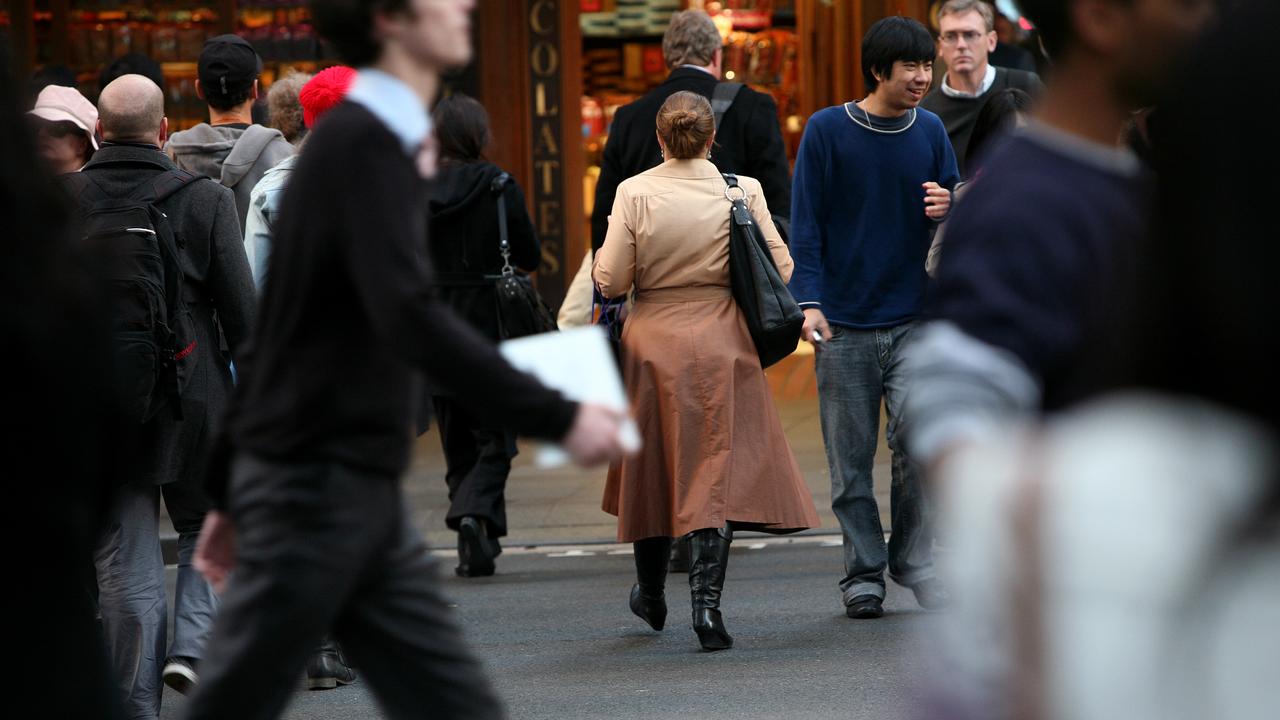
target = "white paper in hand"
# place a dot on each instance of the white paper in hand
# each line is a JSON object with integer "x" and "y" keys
{"x": 580, "y": 365}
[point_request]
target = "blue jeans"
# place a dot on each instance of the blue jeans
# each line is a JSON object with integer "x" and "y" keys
{"x": 856, "y": 369}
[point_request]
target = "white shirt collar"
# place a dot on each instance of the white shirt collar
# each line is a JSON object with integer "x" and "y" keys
{"x": 987, "y": 81}
{"x": 395, "y": 104}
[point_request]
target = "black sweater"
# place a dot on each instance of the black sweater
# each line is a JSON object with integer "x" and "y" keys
{"x": 348, "y": 313}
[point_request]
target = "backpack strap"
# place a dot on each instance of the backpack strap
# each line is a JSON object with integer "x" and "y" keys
{"x": 722, "y": 98}
{"x": 163, "y": 185}
{"x": 84, "y": 190}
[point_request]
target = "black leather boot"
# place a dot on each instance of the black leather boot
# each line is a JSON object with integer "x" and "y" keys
{"x": 327, "y": 668}
{"x": 709, "y": 556}
{"x": 648, "y": 601}
{"x": 679, "y": 555}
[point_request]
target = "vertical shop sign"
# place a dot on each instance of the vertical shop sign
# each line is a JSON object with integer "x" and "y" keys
{"x": 548, "y": 166}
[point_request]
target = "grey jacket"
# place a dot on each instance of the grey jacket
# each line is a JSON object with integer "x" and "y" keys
{"x": 219, "y": 292}
{"x": 235, "y": 157}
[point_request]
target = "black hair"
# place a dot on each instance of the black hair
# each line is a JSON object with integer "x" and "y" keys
{"x": 1052, "y": 20}
{"x": 462, "y": 128}
{"x": 890, "y": 40}
{"x": 226, "y": 101}
{"x": 348, "y": 26}
{"x": 132, "y": 64}
{"x": 995, "y": 118}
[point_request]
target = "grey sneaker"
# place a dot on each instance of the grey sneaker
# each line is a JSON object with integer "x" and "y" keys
{"x": 864, "y": 607}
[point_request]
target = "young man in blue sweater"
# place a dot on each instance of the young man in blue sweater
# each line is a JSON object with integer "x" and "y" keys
{"x": 871, "y": 179}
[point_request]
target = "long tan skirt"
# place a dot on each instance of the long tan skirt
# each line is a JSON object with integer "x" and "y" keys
{"x": 714, "y": 449}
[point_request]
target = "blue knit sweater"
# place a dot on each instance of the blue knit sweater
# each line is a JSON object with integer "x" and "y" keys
{"x": 859, "y": 235}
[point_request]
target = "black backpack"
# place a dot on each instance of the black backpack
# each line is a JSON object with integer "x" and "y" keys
{"x": 154, "y": 336}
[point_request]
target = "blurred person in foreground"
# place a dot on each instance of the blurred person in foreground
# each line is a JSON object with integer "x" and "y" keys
{"x": 872, "y": 179}
{"x": 310, "y": 513}
{"x": 317, "y": 96}
{"x": 1047, "y": 232}
{"x": 1122, "y": 560}
{"x": 715, "y": 458}
{"x": 464, "y": 249}
{"x": 62, "y": 416}
{"x": 168, "y": 462}
{"x": 65, "y": 124}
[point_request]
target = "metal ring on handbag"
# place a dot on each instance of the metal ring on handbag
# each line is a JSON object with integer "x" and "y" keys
{"x": 734, "y": 187}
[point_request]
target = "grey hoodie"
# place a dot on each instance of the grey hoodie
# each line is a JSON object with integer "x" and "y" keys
{"x": 234, "y": 156}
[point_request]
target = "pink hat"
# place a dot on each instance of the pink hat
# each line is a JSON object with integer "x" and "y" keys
{"x": 64, "y": 104}
{"x": 323, "y": 91}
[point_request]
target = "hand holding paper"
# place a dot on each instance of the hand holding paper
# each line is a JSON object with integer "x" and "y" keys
{"x": 579, "y": 364}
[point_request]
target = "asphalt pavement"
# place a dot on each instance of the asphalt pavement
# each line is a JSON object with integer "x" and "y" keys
{"x": 558, "y": 641}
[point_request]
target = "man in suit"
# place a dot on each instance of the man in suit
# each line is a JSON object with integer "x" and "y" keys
{"x": 966, "y": 38}
{"x": 172, "y": 454}
{"x": 748, "y": 139}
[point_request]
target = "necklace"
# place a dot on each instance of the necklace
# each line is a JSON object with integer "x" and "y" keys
{"x": 865, "y": 120}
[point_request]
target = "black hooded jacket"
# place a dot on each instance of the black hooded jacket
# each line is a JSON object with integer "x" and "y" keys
{"x": 464, "y": 240}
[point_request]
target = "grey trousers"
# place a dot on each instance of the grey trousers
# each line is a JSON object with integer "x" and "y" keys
{"x": 131, "y": 589}
{"x": 856, "y": 369}
{"x": 325, "y": 547}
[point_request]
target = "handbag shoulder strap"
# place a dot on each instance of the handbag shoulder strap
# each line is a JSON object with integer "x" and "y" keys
{"x": 739, "y": 213}
{"x": 499, "y": 187}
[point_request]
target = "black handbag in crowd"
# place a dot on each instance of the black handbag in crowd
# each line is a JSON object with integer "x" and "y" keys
{"x": 773, "y": 317}
{"x": 521, "y": 310}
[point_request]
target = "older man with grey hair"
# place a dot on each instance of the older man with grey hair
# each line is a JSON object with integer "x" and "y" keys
{"x": 748, "y": 137}
{"x": 966, "y": 39}
{"x": 169, "y": 455}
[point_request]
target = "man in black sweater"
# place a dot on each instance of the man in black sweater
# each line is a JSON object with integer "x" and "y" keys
{"x": 966, "y": 37}
{"x": 310, "y": 511}
{"x": 748, "y": 139}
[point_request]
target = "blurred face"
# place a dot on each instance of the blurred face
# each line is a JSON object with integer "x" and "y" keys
{"x": 964, "y": 42}
{"x": 62, "y": 145}
{"x": 434, "y": 32}
{"x": 906, "y": 85}
{"x": 1157, "y": 34}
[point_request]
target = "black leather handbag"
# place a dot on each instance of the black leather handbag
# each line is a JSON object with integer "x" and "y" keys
{"x": 521, "y": 310}
{"x": 773, "y": 317}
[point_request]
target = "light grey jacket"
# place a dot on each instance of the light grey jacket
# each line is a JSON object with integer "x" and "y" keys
{"x": 235, "y": 157}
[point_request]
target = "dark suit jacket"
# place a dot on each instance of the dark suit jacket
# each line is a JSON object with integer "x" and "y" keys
{"x": 216, "y": 275}
{"x": 748, "y": 142}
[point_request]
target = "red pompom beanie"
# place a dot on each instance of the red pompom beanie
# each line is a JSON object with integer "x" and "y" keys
{"x": 324, "y": 91}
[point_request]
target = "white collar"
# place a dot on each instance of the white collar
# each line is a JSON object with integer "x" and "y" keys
{"x": 698, "y": 67}
{"x": 1108, "y": 158}
{"x": 987, "y": 81}
{"x": 395, "y": 104}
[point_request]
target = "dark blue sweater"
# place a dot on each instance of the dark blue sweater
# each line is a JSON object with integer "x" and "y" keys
{"x": 1036, "y": 252}
{"x": 859, "y": 234}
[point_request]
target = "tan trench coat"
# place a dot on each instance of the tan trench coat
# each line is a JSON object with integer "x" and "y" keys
{"x": 714, "y": 447}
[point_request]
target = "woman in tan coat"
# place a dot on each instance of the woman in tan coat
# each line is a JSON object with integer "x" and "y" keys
{"x": 715, "y": 457}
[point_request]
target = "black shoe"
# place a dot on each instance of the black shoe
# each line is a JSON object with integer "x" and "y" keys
{"x": 475, "y": 549}
{"x": 709, "y": 557}
{"x": 679, "y": 555}
{"x": 180, "y": 674}
{"x": 327, "y": 668}
{"x": 931, "y": 594}
{"x": 865, "y": 607}
{"x": 648, "y": 601}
